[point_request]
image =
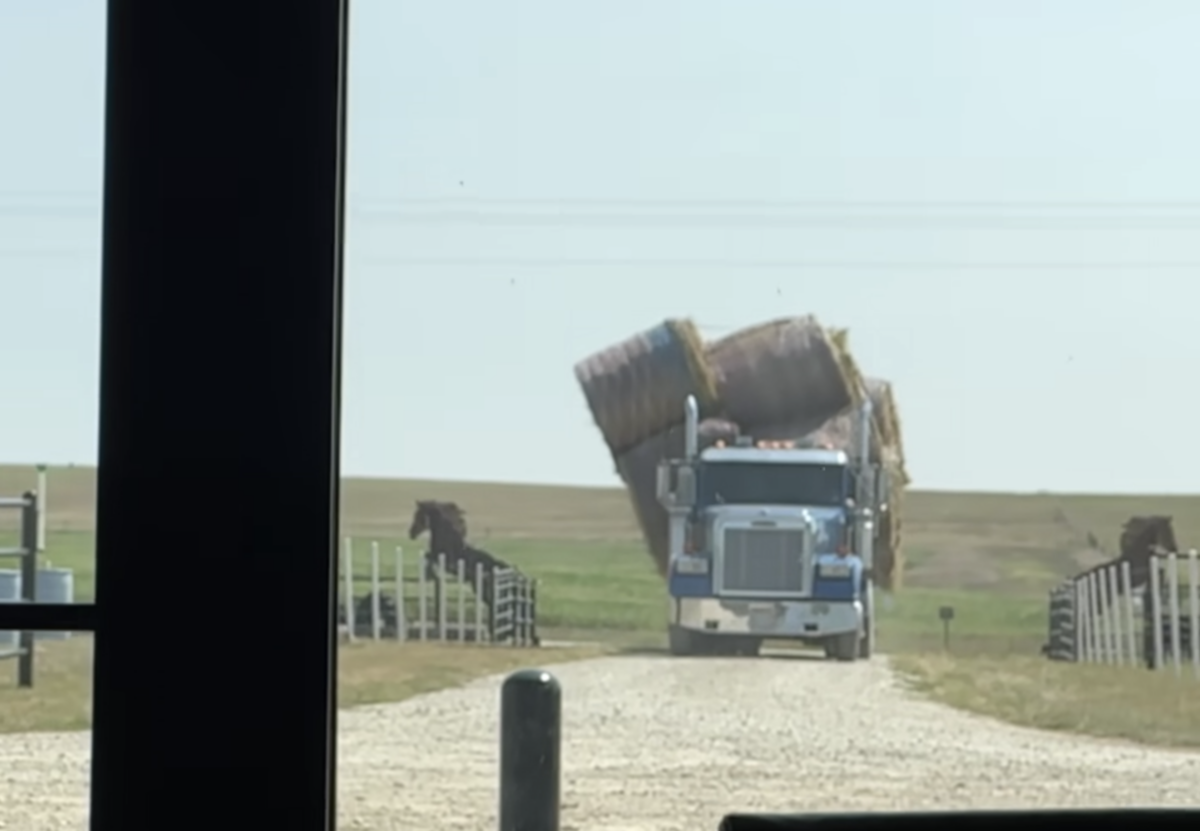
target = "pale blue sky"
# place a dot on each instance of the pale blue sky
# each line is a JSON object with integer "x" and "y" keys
{"x": 1025, "y": 378}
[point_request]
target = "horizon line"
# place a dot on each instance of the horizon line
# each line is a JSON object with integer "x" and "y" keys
{"x": 618, "y": 487}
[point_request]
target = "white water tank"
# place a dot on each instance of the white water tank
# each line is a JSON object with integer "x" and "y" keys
{"x": 55, "y": 585}
{"x": 10, "y": 592}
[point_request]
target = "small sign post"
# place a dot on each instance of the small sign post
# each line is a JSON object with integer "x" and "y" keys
{"x": 946, "y": 614}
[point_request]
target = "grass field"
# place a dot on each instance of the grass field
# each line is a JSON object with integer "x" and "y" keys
{"x": 990, "y": 556}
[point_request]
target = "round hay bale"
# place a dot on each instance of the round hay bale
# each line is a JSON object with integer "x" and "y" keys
{"x": 636, "y": 388}
{"x": 786, "y": 371}
{"x": 887, "y": 424}
{"x": 638, "y": 469}
{"x": 889, "y": 554}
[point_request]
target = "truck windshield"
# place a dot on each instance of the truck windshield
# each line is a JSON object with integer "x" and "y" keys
{"x": 742, "y": 483}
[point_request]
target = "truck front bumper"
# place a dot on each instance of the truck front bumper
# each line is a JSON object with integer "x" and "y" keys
{"x": 797, "y": 619}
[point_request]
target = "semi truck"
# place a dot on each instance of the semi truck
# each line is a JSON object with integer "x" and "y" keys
{"x": 772, "y": 540}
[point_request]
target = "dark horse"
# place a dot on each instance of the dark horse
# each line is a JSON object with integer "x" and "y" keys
{"x": 446, "y": 525}
{"x": 1142, "y": 538}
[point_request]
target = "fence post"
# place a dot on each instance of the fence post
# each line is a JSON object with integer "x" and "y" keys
{"x": 494, "y": 606}
{"x": 1130, "y": 618}
{"x": 534, "y": 638}
{"x": 526, "y": 611}
{"x": 422, "y": 602}
{"x": 1194, "y": 610}
{"x": 441, "y": 597}
{"x": 1105, "y": 623}
{"x": 401, "y": 611}
{"x": 43, "y": 485}
{"x": 29, "y": 569}
{"x": 1115, "y": 609}
{"x": 462, "y": 601}
{"x": 1096, "y": 628}
{"x": 1082, "y": 624}
{"x": 530, "y": 751}
{"x": 1173, "y": 606}
{"x": 375, "y": 606}
{"x": 348, "y": 585}
{"x": 1155, "y": 604}
{"x": 479, "y": 633}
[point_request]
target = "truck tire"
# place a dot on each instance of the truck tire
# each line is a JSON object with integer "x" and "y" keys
{"x": 866, "y": 644}
{"x": 738, "y": 646}
{"x": 680, "y": 641}
{"x": 845, "y": 646}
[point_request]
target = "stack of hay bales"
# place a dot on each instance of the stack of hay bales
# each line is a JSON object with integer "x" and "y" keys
{"x": 786, "y": 378}
{"x": 886, "y": 450}
{"x": 638, "y": 469}
{"x": 889, "y": 556}
{"x": 636, "y": 388}
{"x": 635, "y": 391}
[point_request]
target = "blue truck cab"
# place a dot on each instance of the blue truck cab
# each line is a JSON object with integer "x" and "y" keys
{"x": 771, "y": 540}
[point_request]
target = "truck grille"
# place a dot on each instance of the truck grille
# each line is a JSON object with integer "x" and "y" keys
{"x": 763, "y": 560}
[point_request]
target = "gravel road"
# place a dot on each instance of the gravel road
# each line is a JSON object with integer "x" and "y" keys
{"x": 658, "y": 743}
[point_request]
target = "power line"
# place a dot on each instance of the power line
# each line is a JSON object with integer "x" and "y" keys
{"x": 786, "y": 265}
{"x": 648, "y": 221}
{"x": 383, "y": 204}
{"x": 534, "y": 263}
{"x": 759, "y": 222}
{"x": 16, "y": 201}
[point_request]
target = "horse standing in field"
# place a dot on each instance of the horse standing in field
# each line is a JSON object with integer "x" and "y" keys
{"x": 446, "y": 525}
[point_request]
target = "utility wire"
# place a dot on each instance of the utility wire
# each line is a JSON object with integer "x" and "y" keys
{"x": 736, "y": 221}
{"x": 648, "y": 221}
{"x": 536, "y": 263}
{"x": 16, "y": 201}
{"x": 782, "y": 265}
{"x": 645, "y": 263}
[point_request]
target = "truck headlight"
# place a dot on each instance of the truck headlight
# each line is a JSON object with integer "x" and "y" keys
{"x": 691, "y": 565}
{"x": 834, "y": 570}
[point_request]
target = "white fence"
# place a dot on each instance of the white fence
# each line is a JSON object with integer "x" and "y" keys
{"x": 499, "y": 607}
{"x": 1153, "y": 625}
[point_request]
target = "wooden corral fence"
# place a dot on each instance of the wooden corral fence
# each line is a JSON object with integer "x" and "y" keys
{"x": 26, "y": 552}
{"x": 403, "y": 602}
{"x": 1104, "y": 617}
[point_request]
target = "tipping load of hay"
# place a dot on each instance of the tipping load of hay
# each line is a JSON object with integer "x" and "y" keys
{"x": 887, "y": 426}
{"x": 838, "y": 432}
{"x": 788, "y": 378}
{"x": 638, "y": 470}
{"x": 790, "y": 372}
{"x": 636, "y": 388}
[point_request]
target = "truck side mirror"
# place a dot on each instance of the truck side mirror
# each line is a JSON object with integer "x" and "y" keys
{"x": 663, "y": 483}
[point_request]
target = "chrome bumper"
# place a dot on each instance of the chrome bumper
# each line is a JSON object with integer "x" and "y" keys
{"x": 768, "y": 618}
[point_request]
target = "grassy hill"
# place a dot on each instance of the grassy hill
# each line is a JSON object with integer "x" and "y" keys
{"x": 990, "y": 556}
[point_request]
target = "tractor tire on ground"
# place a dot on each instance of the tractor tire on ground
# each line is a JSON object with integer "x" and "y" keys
{"x": 1061, "y": 644}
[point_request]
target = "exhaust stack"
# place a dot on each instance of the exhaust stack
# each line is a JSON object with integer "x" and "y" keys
{"x": 691, "y": 435}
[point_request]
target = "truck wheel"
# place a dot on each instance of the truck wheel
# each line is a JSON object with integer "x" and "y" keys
{"x": 845, "y": 646}
{"x": 680, "y": 641}
{"x": 866, "y": 642}
{"x": 738, "y": 646}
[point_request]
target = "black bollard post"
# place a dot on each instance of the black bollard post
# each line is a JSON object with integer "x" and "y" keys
{"x": 530, "y": 755}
